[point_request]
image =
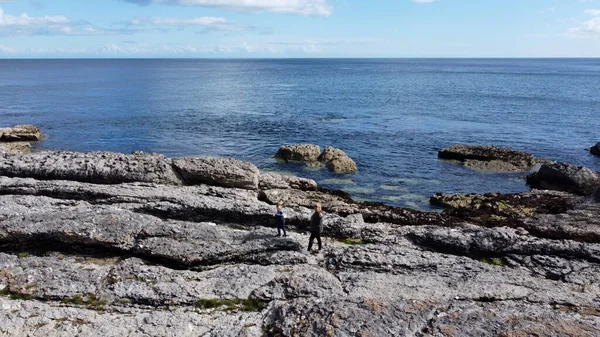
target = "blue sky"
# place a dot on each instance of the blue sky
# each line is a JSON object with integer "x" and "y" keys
{"x": 299, "y": 28}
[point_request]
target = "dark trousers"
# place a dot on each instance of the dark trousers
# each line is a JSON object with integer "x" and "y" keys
{"x": 314, "y": 236}
{"x": 281, "y": 228}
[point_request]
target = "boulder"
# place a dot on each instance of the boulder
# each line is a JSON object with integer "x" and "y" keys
{"x": 20, "y": 133}
{"x": 226, "y": 172}
{"x": 268, "y": 181}
{"x": 299, "y": 152}
{"x": 595, "y": 150}
{"x": 92, "y": 167}
{"x": 565, "y": 177}
{"x": 337, "y": 160}
{"x": 491, "y": 158}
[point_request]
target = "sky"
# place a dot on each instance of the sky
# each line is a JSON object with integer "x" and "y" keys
{"x": 298, "y": 28}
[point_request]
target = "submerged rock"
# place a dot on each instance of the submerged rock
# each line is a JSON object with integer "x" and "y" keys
{"x": 300, "y": 152}
{"x": 337, "y": 160}
{"x": 20, "y": 133}
{"x": 490, "y": 158}
{"x": 226, "y": 172}
{"x": 565, "y": 177}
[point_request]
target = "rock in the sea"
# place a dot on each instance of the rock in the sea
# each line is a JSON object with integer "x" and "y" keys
{"x": 270, "y": 181}
{"x": 23, "y": 147}
{"x": 300, "y": 152}
{"x": 565, "y": 177}
{"x": 337, "y": 160}
{"x": 20, "y": 133}
{"x": 491, "y": 158}
{"x": 595, "y": 150}
{"x": 92, "y": 167}
{"x": 226, "y": 172}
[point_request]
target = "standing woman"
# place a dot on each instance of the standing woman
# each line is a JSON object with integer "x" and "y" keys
{"x": 316, "y": 227}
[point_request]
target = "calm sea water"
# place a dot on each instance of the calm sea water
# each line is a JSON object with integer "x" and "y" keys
{"x": 391, "y": 116}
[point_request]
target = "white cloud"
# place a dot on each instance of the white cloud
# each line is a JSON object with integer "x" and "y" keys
{"x": 208, "y": 22}
{"x": 423, "y": 1}
{"x": 301, "y": 7}
{"x": 23, "y": 25}
{"x": 587, "y": 29}
{"x": 25, "y": 20}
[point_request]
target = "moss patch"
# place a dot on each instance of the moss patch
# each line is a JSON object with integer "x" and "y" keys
{"x": 352, "y": 242}
{"x": 15, "y": 295}
{"x": 492, "y": 261}
{"x": 88, "y": 299}
{"x": 231, "y": 304}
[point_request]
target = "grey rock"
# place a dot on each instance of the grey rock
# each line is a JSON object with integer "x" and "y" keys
{"x": 299, "y": 152}
{"x": 20, "y": 133}
{"x": 269, "y": 181}
{"x": 23, "y": 147}
{"x": 337, "y": 160}
{"x": 225, "y": 172}
{"x": 143, "y": 258}
{"x": 565, "y": 177}
{"x": 490, "y": 158}
{"x": 93, "y": 167}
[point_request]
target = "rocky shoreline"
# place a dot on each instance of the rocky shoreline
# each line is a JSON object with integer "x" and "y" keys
{"x": 107, "y": 244}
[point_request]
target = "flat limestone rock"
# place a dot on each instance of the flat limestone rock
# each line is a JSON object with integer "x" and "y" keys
{"x": 225, "y": 172}
{"x": 20, "y": 133}
{"x": 490, "y": 158}
{"x": 22, "y": 147}
{"x": 92, "y": 167}
{"x": 269, "y": 181}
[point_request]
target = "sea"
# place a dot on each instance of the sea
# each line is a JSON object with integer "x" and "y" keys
{"x": 390, "y": 115}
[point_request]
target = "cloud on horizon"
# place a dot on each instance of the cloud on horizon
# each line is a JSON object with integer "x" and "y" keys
{"x": 208, "y": 22}
{"x": 587, "y": 29}
{"x": 300, "y": 7}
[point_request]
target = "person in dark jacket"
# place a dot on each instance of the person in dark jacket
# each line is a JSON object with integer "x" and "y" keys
{"x": 316, "y": 227}
{"x": 280, "y": 220}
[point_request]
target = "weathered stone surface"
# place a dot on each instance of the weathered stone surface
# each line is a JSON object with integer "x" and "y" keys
{"x": 337, "y": 160}
{"x": 20, "y": 133}
{"x": 269, "y": 181}
{"x": 23, "y": 147}
{"x": 299, "y": 152}
{"x": 148, "y": 259}
{"x": 495, "y": 209}
{"x": 595, "y": 150}
{"x": 490, "y": 158}
{"x": 225, "y": 172}
{"x": 565, "y": 177}
{"x": 93, "y": 167}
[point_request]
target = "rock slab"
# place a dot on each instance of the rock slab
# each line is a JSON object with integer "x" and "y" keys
{"x": 20, "y": 133}
{"x": 490, "y": 158}
{"x": 226, "y": 172}
{"x": 565, "y": 177}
